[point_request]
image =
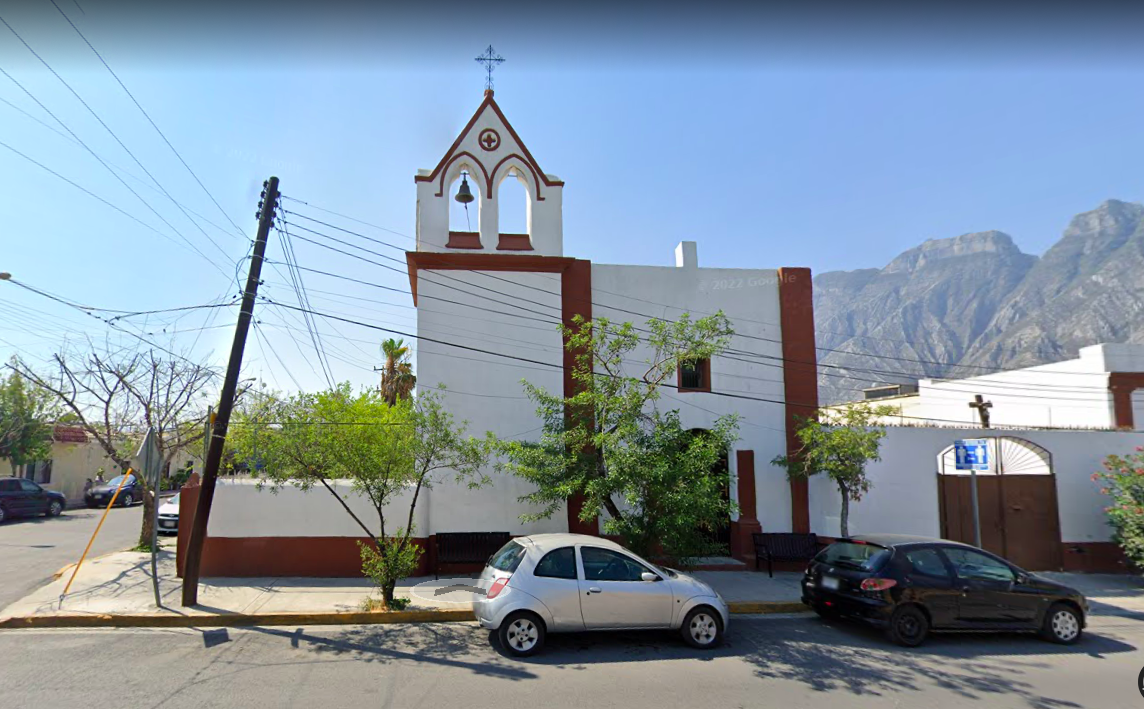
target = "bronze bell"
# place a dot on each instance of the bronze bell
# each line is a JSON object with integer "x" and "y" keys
{"x": 464, "y": 195}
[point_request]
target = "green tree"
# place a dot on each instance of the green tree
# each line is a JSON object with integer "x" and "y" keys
{"x": 397, "y": 378}
{"x": 26, "y": 421}
{"x": 1123, "y": 480}
{"x": 611, "y": 445}
{"x": 840, "y": 444}
{"x": 389, "y": 454}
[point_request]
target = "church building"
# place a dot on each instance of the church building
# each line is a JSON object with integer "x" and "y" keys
{"x": 489, "y": 302}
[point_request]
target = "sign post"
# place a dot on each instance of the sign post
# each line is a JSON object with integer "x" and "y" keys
{"x": 973, "y": 455}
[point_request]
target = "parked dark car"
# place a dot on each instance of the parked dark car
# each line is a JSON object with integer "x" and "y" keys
{"x": 99, "y": 495}
{"x": 912, "y": 585}
{"x": 23, "y": 498}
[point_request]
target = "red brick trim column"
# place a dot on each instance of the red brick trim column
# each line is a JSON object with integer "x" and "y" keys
{"x": 1122, "y": 384}
{"x": 742, "y": 546}
{"x": 576, "y": 299}
{"x": 800, "y": 373}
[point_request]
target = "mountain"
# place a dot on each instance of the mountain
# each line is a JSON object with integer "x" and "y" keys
{"x": 973, "y": 303}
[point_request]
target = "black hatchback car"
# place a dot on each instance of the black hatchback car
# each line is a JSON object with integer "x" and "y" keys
{"x": 100, "y": 495}
{"x": 24, "y": 498}
{"x": 912, "y": 585}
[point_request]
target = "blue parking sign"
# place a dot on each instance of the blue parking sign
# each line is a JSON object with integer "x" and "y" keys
{"x": 972, "y": 454}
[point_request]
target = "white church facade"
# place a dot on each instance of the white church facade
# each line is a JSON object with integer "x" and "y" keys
{"x": 489, "y": 308}
{"x": 503, "y": 295}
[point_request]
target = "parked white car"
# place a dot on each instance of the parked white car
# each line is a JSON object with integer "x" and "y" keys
{"x": 169, "y": 515}
{"x": 572, "y": 582}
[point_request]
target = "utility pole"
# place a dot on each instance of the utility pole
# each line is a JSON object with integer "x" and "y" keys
{"x": 226, "y": 399}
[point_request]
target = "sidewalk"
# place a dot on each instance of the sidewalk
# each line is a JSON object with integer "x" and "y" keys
{"x": 119, "y": 586}
{"x": 116, "y": 589}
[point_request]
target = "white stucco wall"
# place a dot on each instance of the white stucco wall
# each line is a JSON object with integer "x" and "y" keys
{"x": 904, "y": 497}
{"x": 485, "y": 389}
{"x": 749, "y": 298}
{"x": 241, "y": 509}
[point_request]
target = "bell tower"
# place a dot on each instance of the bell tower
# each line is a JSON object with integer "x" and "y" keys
{"x": 487, "y": 152}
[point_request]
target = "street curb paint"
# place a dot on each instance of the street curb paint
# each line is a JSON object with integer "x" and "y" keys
{"x": 235, "y": 620}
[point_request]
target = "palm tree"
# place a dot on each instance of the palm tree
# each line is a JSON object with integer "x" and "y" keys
{"x": 397, "y": 378}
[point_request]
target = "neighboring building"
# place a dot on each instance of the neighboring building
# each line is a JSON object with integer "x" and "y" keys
{"x": 1103, "y": 388}
{"x": 76, "y": 456}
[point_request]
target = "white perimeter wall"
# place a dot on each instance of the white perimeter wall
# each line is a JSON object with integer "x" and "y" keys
{"x": 750, "y": 300}
{"x": 904, "y": 497}
{"x": 241, "y": 509}
{"x": 486, "y": 389}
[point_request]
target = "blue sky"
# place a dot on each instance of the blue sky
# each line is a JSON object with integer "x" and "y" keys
{"x": 772, "y": 141}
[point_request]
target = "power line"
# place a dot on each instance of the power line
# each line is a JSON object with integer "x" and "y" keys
{"x": 148, "y": 117}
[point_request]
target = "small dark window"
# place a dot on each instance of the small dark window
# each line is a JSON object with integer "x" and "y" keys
{"x": 927, "y": 562}
{"x": 558, "y": 564}
{"x": 9, "y": 486}
{"x": 695, "y": 375}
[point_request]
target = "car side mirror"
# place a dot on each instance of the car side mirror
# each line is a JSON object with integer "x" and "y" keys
{"x": 1022, "y": 578}
{"x": 649, "y": 576}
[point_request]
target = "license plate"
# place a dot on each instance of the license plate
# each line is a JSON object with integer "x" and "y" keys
{"x": 167, "y": 525}
{"x": 830, "y": 583}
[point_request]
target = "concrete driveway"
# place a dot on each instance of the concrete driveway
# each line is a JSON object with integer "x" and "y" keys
{"x": 34, "y": 548}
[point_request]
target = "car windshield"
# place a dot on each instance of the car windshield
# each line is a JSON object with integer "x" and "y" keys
{"x": 114, "y": 482}
{"x": 175, "y": 499}
{"x": 854, "y": 555}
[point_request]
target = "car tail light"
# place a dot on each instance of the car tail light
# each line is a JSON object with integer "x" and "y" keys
{"x": 878, "y": 584}
{"x": 496, "y": 588}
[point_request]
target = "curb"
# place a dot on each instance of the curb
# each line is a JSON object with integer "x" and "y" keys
{"x": 237, "y": 620}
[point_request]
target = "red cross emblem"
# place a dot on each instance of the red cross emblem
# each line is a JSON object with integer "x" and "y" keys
{"x": 489, "y": 139}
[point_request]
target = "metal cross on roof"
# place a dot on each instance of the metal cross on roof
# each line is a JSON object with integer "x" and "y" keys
{"x": 490, "y": 59}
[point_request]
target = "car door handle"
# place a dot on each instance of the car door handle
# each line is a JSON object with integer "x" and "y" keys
{"x": 594, "y": 589}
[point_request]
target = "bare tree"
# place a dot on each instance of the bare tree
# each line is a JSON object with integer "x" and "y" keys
{"x": 117, "y": 394}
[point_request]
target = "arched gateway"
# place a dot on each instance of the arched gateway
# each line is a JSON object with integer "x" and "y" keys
{"x": 1017, "y": 502}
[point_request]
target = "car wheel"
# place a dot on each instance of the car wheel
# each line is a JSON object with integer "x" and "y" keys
{"x": 702, "y": 628}
{"x": 55, "y": 509}
{"x": 909, "y": 626}
{"x": 128, "y": 500}
{"x": 1062, "y": 624}
{"x": 3, "y": 514}
{"x": 522, "y": 634}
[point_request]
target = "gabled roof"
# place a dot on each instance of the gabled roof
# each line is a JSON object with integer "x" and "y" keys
{"x": 489, "y": 104}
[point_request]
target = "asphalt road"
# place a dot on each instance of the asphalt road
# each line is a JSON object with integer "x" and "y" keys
{"x": 776, "y": 661}
{"x": 34, "y": 548}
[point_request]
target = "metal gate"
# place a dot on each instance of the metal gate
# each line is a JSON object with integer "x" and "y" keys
{"x": 1017, "y": 501}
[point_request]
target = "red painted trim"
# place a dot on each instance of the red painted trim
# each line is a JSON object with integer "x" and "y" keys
{"x": 464, "y": 240}
{"x": 535, "y": 177}
{"x": 1094, "y": 557}
{"x": 311, "y": 557}
{"x": 576, "y": 299}
{"x": 437, "y": 261}
{"x": 742, "y": 546}
{"x": 705, "y": 373}
{"x": 446, "y": 159}
{"x": 455, "y": 158}
{"x": 1122, "y": 384}
{"x": 515, "y": 242}
{"x": 800, "y": 373}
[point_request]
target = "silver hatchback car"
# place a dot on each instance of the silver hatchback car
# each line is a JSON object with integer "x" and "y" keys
{"x": 572, "y": 582}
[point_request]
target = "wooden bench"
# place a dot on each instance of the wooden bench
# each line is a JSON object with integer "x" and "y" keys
{"x": 467, "y": 547}
{"x": 783, "y": 546}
